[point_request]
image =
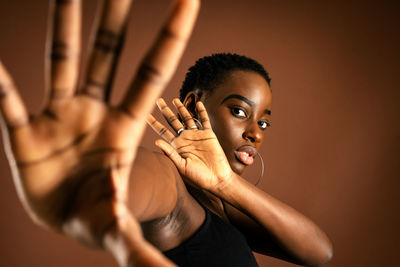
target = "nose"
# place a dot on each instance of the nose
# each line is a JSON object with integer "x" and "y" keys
{"x": 253, "y": 133}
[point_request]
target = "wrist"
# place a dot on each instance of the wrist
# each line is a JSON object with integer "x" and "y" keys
{"x": 225, "y": 183}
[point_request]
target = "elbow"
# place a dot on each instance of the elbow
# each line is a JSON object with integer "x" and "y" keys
{"x": 324, "y": 256}
{"x": 328, "y": 255}
{"x": 323, "y": 251}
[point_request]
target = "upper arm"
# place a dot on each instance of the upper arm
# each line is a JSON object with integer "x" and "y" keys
{"x": 153, "y": 189}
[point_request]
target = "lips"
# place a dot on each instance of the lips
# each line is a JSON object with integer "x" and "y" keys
{"x": 245, "y": 155}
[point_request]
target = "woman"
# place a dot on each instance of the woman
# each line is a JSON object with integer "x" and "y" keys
{"x": 79, "y": 171}
{"x": 236, "y": 93}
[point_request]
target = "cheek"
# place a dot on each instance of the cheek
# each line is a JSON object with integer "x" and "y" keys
{"x": 226, "y": 128}
{"x": 221, "y": 130}
{"x": 219, "y": 127}
{"x": 230, "y": 138}
{"x": 227, "y": 132}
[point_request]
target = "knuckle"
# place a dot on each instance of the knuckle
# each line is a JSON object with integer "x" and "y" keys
{"x": 167, "y": 33}
{"x": 162, "y": 131}
{"x": 187, "y": 118}
{"x": 150, "y": 74}
{"x": 108, "y": 41}
{"x": 61, "y": 51}
{"x": 172, "y": 118}
{"x": 95, "y": 89}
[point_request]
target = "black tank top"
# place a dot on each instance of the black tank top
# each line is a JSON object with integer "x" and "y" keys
{"x": 216, "y": 243}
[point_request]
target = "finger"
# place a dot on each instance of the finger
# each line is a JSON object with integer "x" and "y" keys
{"x": 161, "y": 61}
{"x": 65, "y": 48}
{"x": 106, "y": 48}
{"x": 205, "y": 120}
{"x": 172, "y": 154}
{"x": 160, "y": 129}
{"x": 11, "y": 105}
{"x": 169, "y": 116}
{"x": 184, "y": 113}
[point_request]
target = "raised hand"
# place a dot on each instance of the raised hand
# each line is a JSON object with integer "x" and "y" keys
{"x": 195, "y": 150}
{"x": 71, "y": 163}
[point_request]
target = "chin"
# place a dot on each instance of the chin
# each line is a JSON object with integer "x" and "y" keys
{"x": 237, "y": 167}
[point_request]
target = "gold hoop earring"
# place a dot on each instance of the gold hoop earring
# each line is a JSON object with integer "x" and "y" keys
{"x": 262, "y": 169}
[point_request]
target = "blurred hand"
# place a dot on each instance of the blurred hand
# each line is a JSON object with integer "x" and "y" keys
{"x": 71, "y": 163}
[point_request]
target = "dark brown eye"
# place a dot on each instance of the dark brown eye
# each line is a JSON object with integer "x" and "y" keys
{"x": 263, "y": 125}
{"x": 238, "y": 112}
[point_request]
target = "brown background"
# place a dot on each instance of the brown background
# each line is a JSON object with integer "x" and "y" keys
{"x": 333, "y": 150}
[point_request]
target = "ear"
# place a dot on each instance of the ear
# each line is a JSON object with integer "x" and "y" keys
{"x": 190, "y": 103}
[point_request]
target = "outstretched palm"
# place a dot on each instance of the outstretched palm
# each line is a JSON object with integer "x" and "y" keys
{"x": 77, "y": 153}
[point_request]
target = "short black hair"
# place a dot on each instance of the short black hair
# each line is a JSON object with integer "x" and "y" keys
{"x": 209, "y": 71}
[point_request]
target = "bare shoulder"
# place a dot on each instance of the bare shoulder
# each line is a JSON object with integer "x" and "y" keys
{"x": 153, "y": 190}
{"x": 148, "y": 158}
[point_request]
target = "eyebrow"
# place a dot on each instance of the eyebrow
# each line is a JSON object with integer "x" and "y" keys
{"x": 248, "y": 101}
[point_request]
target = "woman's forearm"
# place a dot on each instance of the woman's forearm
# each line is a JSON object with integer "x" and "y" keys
{"x": 295, "y": 233}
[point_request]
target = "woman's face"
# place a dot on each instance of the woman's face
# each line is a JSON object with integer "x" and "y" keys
{"x": 239, "y": 110}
